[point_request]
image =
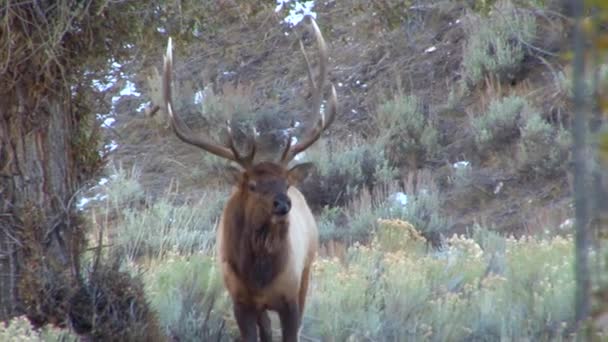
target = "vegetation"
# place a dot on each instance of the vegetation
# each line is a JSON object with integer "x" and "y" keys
{"x": 497, "y": 43}
{"x": 394, "y": 290}
{"x": 187, "y": 293}
{"x": 407, "y": 134}
{"x": 431, "y": 202}
{"x": 20, "y": 329}
{"x": 343, "y": 170}
{"x": 500, "y": 123}
{"x": 544, "y": 149}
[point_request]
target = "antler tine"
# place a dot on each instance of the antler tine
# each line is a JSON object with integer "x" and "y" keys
{"x": 317, "y": 87}
{"x": 328, "y": 116}
{"x": 247, "y": 160}
{"x": 311, "y": 80}
{"x": 285, "y": 153}
{"x": 179, "y": 127}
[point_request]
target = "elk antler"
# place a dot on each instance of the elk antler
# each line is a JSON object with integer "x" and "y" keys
{"x": 327, "y": 117}
{"x": 185, "y": 134}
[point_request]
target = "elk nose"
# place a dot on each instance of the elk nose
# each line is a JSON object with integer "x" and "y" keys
{"x": 281, "y": 205}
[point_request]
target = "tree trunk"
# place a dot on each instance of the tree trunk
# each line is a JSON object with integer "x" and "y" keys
{"x": 579, "y": 155}
{"x": 39, "y": 237}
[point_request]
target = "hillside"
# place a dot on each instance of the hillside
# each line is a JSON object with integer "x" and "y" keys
{"x": 457, "y": 65}
{"x": 442, "y": 190}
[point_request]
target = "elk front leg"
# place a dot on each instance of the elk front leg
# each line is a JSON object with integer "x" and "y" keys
{"x": 289, "y": 315}
{"x": 264, "y": 325}
{"x": 246, "y": 318}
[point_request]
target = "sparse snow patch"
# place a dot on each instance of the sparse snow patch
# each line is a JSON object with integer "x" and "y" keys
{"x": 567, "y": 224}
{"x": 107, "y": 122}
{"x": 399, "y": 198}
{"x": 297, "y": 10}
{"x": 461, "y": 164}
{"x": 129, "y": 89}
{"x": 85, "y": 200}
{"x": 198, "y": 97}
{"x": 111, "y": 146}
{"x": 143, "y": 106}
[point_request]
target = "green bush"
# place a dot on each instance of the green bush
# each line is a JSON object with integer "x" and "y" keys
{"x": 187, "y": 293}
{"x": 342, "y": 173}
{"x": 423, "y": 210}
{"x": 168, "y": 226}
{"x": 353, "y": 224}
{"x": 363, "y": 220}
{"x": 462, "y": 175}
{"x": 543, "y": 149}
{"x": 401, "y": 292}
{"x": 496, "y": 43}
{"x": 123, "y": 189}
{"x": 565, "y": 80}
{"x": 327, "y": 221}
{"x": 19, "y": 329}
{"x": 407, "y": 134}
{"x": 500, "y": 123}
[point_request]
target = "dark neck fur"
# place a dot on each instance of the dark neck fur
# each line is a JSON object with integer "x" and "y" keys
{"x": 258, "y": 253}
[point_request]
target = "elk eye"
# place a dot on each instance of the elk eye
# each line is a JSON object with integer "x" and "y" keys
{"x": 251, "y": 186}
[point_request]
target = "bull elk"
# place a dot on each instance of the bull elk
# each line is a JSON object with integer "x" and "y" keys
{"x": 267, "y": 237}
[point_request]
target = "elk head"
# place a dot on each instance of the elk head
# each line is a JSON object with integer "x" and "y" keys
{"x": 263, "y": 185}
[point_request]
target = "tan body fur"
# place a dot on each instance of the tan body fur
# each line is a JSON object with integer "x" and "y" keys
{"x": 292, "y": 280}
{"x": 267, "y": 237}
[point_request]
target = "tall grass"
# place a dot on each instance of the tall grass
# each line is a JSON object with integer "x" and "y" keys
{"x": 188, "y": 295}
{"x": 136, "y": 226}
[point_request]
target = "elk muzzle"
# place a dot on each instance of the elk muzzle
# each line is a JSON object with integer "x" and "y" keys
{"x": 281, "y": 205}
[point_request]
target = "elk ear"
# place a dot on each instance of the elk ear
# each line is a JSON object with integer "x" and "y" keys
{"x": 299, "y": 172}
{"x": 233, "y": 174}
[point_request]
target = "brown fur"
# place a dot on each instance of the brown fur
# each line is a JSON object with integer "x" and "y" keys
{"x": 257, "y": 254}
{"x": 267, "y": 237}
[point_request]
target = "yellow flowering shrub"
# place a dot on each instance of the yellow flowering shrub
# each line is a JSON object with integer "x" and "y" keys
{"x": 395, "y": 290}
{"x": 19, "y": 329}
{"x": 398, "y": 235}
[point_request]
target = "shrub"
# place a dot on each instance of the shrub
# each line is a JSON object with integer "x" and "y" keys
{"x": 328, "y": 224}
{"x": 496, "y": 43}
{"x": 136, "y": 225}
{"x": 187, "y": 293}
{"x": 355, "y": 223}
{"x": 462, "y": 175}
{"x": 398, "y": 235}
{"x": 423, "y": 211}
{"x": 343, "y": 173}
{"x": 363, "y": 220}
{"x": 20, "y": 329}
{"x": 403, "y": 293}
{"x": 111, "y": 305}
{"x": 565, "y": 79}
{"x": 406, "y": 132}
{"x": 543, "y": 149}
{"x": 124, "y": 187}
{"x": 168, "y": 226}
{"x": 500, "y": 123}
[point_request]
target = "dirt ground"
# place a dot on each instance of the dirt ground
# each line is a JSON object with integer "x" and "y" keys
{"x": 370, "y": 59}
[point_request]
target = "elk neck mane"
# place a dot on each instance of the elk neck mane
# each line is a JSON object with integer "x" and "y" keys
{"x": 265, "y": 259}
{"x": 258, "y": 244}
